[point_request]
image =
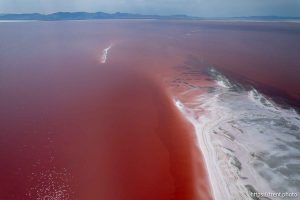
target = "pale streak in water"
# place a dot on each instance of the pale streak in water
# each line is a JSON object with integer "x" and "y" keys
{"x": 105, "y": 54}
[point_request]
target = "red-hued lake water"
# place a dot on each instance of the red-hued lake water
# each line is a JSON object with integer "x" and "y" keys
{"x": 87, "y": 108}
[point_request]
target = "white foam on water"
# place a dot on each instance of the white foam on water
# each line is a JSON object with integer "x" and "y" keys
{"x": 105, "y": 54}
{"x": 220, "y": 79}
{"x": 222, "y": 83}
{"x": 261, "y": 100}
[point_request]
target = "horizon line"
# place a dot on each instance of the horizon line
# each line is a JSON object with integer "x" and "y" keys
{"x": 158, "y": 15}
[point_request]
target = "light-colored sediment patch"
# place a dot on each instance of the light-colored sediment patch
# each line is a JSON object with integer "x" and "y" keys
{"x": 105, "y": 54}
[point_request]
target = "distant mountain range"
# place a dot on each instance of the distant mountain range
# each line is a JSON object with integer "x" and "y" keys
{"x": 267, "y": 18}
{"x": 101, "y": 15}
{"x": 85, "y": 15}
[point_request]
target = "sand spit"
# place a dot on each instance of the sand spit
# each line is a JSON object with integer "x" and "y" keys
{"x": 246, "y": 139}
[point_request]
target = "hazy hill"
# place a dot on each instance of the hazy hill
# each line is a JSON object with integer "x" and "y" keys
{"x": 86, "y": 15}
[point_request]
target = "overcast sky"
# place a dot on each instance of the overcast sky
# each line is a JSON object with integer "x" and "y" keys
{"x": 202, "y": 8}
